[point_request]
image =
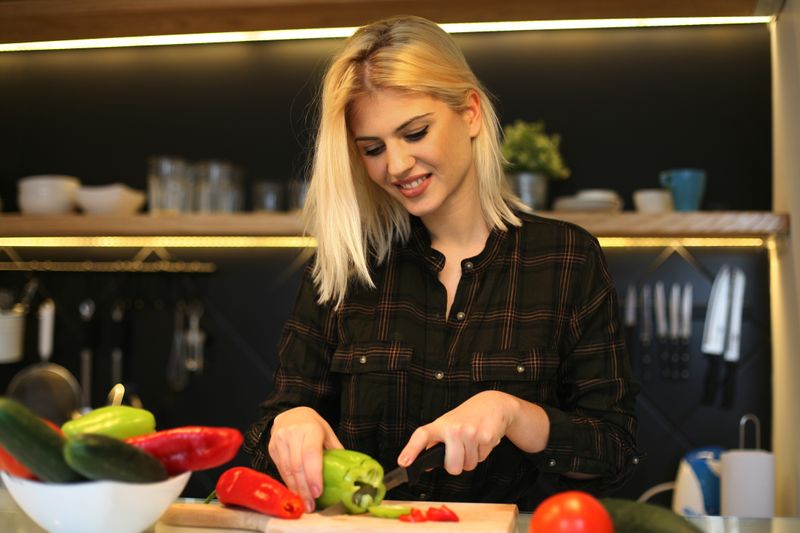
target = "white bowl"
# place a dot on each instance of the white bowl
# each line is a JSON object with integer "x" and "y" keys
{"x": 47, "y": 194}
{"x": 114, "y": 199}
{"x": 94, "y": 506}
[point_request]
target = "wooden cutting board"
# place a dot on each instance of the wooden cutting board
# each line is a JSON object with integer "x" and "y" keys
{"x": 474, "y": 517}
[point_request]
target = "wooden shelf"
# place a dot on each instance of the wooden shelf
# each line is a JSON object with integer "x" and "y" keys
{"x": 43, "y": 20}
{"x": 625, "y": 224}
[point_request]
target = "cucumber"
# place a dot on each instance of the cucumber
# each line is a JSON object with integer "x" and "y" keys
{"x": 100, "y": 457}
{"x": 33, "y": 443}
{"x": 635, "y": 517}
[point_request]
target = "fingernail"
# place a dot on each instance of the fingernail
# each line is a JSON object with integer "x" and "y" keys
{"x": 310, "y": 506}
{"x": 404, "y": 461}
{"x": 315, "y": 491}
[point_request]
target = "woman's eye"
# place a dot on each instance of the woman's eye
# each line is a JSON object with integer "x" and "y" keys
{"x": 417, "y": 135}
{"x": 374, "y": 150}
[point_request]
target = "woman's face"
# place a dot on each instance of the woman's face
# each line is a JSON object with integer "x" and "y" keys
{"x": 418, "y": 149}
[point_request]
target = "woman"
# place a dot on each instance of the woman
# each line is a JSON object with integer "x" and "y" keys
{"x": 437, "y": 309}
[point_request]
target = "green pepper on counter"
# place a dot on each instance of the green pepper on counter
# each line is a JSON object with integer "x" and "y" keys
{"x": 352, "y": 478}
{"x": 118, "y": 421}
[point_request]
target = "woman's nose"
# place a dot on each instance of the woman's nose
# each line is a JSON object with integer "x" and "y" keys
{"x": 399, "y": 160}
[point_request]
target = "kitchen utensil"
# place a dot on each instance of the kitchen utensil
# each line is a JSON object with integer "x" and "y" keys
{"x": 428, "y": 459}
{"x": 473, "y": 517}
{"x": 686, "y": 328}
{"x": 177, "y": 374}
{"x": 714, "y": 331}
{"x": 12, "y": 335}
{"x": 431, "y": 458}
{"x": 46, "y": 388}
{"x": 734, "y": 339}
{"x": 195, "y": 339}
{"x": 94, "y": 506}
{"x": 646, "y": 333}
{"x": 674, "y": 330}
{"x": 697, "y": 484}
{"x": 47, "y": 194}
{"x": 629, "y": 321}
{"x": 660, "y": 309}
{"x": 113, "y": 199}
{"x": 117, "y": 315}
{"x": 86, "y": 311}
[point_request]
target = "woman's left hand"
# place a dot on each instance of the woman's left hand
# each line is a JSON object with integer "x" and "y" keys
{"x": 469, "y": 432}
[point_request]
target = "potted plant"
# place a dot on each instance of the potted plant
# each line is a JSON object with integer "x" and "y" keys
{"x": 533, "y": 158}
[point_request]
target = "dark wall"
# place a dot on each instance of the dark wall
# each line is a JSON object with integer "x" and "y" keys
{"x": 628, "y": 103}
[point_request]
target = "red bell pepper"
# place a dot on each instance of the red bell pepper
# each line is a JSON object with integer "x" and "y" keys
{"x": 441, "y": 514}
{"x": 191, "y": 447}
{"x": 258, "y": 492}
{"x": 414, "y": 516}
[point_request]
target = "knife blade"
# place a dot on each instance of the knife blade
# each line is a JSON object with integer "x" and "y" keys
{"x": 431, "y": 458}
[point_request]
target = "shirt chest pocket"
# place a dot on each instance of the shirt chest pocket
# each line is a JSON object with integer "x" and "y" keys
{"x": 374, "y": 388}
{"x": 530, "y": 373}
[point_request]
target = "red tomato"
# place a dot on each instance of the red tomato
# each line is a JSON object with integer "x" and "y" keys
{"x": 571, "y": 512}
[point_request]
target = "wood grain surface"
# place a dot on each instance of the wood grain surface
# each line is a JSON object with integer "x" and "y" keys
{"x": 474, "y": 517}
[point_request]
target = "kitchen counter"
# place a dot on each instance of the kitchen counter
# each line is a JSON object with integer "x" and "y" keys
{"x": 13, "y": 519}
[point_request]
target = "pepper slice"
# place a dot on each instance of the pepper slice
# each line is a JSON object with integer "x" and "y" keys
{"x": 258, "y": 492}
{"x": 414, "y": 516}
{"x": 388, "y": 511}
{"x": 352, "y": 478}
{"x": 118, "y": 421}
{"x": 441, "y": 514}
{"x": 191, "y": 447}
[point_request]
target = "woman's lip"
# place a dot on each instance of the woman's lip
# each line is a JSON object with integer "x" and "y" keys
{"x": 414, "y": 191}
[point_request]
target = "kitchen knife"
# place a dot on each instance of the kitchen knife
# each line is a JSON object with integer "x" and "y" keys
{"x": 430, "y": 458}
{"x": 646, "y": 332}
{"x": 686, "y": 327}
{"x": 733, "y": 348}
{"x": 714, "y": 331}
{"x": 660, "y": 309}
{"x": 674, "y": 330}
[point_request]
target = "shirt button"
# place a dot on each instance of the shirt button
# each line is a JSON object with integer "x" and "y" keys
{"x": 362, "y": 359}
{"x": 423, "y": 495}
{"x": 439, "y": 374}
{"x": 520, "y": 369}
{"x": 461, "y": 315}
{"x": 636, "y": 460}
{"x": 468, "y": 265}
{"x": 551, "y": 463}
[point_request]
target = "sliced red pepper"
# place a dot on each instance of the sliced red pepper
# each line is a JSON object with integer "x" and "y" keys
{"x": 441, "y": 514}
{"x": 414, "y": 516}
{"x": 191, "y": 448}
{"x": 258, "y": 492}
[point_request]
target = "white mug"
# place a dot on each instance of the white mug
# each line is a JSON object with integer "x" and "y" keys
{"x": 12, "y": 334}
{"x": 653, "y": 200}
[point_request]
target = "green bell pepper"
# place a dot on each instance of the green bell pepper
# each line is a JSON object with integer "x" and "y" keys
{"x": 389, "y": 511}
{"x": 352, "y": 478}
{"x": 118, "y": 421}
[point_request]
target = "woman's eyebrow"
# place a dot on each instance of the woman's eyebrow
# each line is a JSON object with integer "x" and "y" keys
{"x": 397, "y": 129}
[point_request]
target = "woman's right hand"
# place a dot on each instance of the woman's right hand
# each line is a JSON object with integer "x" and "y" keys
{"x": 298, "y": 438}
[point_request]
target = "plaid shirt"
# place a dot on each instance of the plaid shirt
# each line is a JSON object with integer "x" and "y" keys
{"x": 534, "y": 315}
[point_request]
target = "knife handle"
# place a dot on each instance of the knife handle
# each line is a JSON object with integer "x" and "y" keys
{"x": 431, "y": 458}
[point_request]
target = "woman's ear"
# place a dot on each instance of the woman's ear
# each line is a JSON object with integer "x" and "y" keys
{"x": 472, "y": 114}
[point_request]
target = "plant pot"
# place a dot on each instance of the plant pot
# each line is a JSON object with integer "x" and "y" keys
{"x": 531, "y": 188}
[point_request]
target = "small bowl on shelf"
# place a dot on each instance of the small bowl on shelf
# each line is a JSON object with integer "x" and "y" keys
{"x": 94, "y": 506}
{"x": 113, "y": 199}
{"x": 47, "y": 194}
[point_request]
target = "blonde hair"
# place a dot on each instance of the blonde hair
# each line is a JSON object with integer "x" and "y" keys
{"x": 352, "y": 218}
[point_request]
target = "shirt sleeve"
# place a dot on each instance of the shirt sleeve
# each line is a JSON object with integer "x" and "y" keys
{"x": 302, "y": 377}
{"x": 593, "y": 429}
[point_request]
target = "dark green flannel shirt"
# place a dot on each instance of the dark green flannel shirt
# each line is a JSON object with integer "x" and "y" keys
{"x": 534, "y": 315}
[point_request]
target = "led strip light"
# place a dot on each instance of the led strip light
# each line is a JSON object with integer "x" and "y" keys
{"x": 336, "y": 33}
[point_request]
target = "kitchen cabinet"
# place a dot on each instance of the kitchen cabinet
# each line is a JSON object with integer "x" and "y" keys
{"x": 43, "y": 20}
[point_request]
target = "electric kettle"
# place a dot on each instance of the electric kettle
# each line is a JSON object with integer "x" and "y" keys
{"x": 697, "y": 483}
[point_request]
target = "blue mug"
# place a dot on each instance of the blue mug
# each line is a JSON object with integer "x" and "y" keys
{"x": 687, "y": 186}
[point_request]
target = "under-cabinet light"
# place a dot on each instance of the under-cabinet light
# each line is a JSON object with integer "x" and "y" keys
{"x": 309, "y": 242}
{"x": 341, "y": 32}
{"x": 277, "y": 241}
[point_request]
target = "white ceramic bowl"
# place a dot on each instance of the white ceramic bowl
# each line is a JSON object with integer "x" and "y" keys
{"x": 47, "y": 194}
{"x": 94, "y": 506}
{"x": 114, "y": 199}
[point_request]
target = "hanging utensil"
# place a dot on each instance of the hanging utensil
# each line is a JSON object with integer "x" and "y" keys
{"x": 195, "y": 339}
{"x": 117, "y": 315}
{"x": 46, "y": 388}
{"x": 674, "y": 330}
{"x": 646, "y": 333}
{"x": 86, "y": 311}
{"x": 629, "y": 321}
{"x": 714, "y": 331}
{"x": 686, "y": 328}
{"x": 661, "y": 328}
{"x": 177, "y": 375}
{"x": 734, "y": 340}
